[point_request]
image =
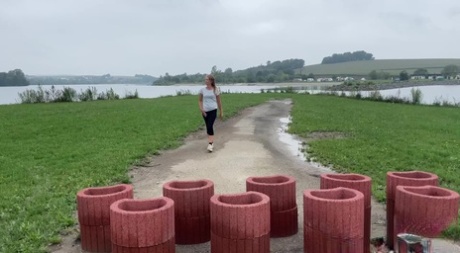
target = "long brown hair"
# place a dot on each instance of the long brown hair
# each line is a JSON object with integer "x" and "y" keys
{"x": 213, "y": 81}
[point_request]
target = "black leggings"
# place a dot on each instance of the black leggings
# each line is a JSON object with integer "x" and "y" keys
{"x": 209, "y": 120}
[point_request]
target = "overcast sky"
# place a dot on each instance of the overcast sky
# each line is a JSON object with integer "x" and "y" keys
{"x": 127, "y": 37}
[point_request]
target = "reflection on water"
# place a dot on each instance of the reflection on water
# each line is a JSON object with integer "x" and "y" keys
{"x": 293, "y": 144}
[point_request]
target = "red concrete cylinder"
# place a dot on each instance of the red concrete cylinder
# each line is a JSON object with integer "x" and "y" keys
{"x": 93, "y": 208}
{"x": 166, "y": 247}
{"x": 358, "y": 182}
{"x": 143, "y": 225}
{"x": 238, "y": 219}
{"x": 407, "y": 178}
{"x": 283, "y": 207}
{"x": 424, "y": 210}
{"x": 258, "y": 244}
{"x": 333, "y": 220}
{"x": 191, "y": 210}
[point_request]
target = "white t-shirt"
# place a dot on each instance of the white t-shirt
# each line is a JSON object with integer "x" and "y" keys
{"x": 209, "y": 99}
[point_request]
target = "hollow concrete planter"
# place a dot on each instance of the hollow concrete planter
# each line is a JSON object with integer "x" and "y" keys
{"x": 93, "y": 208}
{"x": 333, "y": 220}
{"x": 424, "y": 210}
{"x": 283, "y": 207}
{"x": 406, "y": 178}
{"x": 143, "y": 225}
{"x": 358, "y": 182}
{"x": 240, "y": 223}
{"x": 191, "y": 209}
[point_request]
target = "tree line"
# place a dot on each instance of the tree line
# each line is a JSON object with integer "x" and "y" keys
{"x": 17, "y": 78}
{"x": 91, "y": 79}
{"x": 272, "y": 72}
{"x": 348, "y": 56}
{"x": 13, "y": 78}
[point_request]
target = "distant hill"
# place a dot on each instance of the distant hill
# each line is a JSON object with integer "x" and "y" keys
{"x": 363, "y": 68}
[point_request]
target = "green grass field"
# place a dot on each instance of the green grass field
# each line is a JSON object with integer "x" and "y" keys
{"x": 50, "y": 151}
{"x": 382, "y": 137}
{"x": 393, "y": 67}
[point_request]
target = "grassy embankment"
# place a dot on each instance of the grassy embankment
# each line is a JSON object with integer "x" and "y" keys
{"x": 50, "y": 151}
{"x": 394, "y": 67}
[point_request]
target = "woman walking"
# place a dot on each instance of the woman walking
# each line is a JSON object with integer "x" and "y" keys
{"x": 209, "y": 101}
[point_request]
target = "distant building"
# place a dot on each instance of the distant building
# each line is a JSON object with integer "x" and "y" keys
{"x": 439, "y": 78}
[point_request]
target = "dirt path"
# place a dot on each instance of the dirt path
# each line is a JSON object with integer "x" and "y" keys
{"x": 246, "y": 145}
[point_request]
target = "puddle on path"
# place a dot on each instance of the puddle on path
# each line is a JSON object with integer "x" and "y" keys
{"x": 294, "y": 145}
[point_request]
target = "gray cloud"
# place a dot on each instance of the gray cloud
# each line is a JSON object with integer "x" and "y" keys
{"x": 176, "y": 36}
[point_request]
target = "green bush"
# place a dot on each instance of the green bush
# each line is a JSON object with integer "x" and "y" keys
{"x": 90, "y": 94}
{"x": 130, "y": 95}
{"x": 416, "y": 95}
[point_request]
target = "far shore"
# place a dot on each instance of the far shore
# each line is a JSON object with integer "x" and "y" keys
{"x": 286, "y": 84}
{"x": 340, "y": 86}
{"x": 389, "y": 86}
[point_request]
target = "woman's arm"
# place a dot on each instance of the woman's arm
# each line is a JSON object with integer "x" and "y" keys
{"x": 200, "y": 104}
{"x": 219, "y": 105}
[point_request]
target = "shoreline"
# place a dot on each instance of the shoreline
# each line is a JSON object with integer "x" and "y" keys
{"x": 389, "y": 86}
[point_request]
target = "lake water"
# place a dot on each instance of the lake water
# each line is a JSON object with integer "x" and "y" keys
{"x": 9, "y": 95}
{"x": 430, "y": 94}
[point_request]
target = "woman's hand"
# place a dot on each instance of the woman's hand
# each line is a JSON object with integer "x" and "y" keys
{"x": 221, "y": 114}
{"x": 203, "y": 113}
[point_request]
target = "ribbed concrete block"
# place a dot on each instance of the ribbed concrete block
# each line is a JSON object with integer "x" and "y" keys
{"x": 424, "y": 210}
{"x": 244, "y": 216}
{"x": 193, "y": 230}
{"x": 358, "y": 182}
{"x": 192, "y": 211}
{"x": 280, "y": 188}
{"x": 282, "y": 192}
{"x": 319, "y": 242}
{"x": 405, "y": 178}
{"x": 333, "y": 214}
{"x": 166, "y": 247}
{"x": 253, "y": 245}
{"x": 96, "y": 238}
{"x": 284, "y": 223}
{"x": 142, "y": 223}
{"x": 93, "y": 208}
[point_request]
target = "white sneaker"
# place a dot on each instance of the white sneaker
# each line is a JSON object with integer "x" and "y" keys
{"x": 210, "y": 146}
